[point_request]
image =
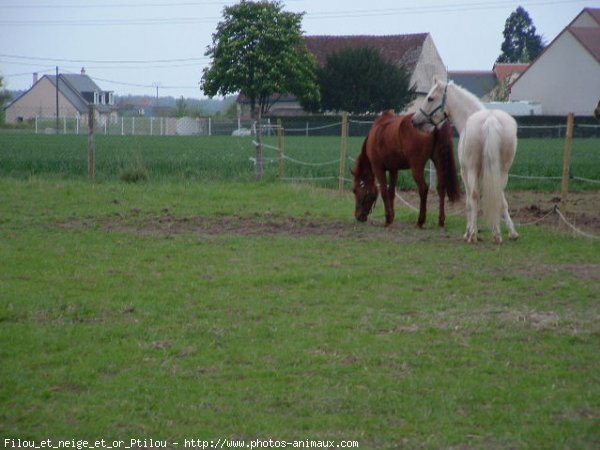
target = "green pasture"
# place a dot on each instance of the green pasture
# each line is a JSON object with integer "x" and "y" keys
{"x": 123, "y": 315}
{"x": 225, "y": 158}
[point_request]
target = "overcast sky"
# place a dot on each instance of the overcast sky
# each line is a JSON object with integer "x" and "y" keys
{"x": 131, "y": 46}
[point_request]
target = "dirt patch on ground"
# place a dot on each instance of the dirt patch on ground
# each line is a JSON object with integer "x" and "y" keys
{"x": 166, "y": 223}
{"x": 267, "y": 224}
{"x": 527, "y": 208}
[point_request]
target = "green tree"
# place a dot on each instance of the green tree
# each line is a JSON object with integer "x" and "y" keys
{"x": 4, "y": 97}
{"x": 181, "y": 107}
{"x": 360, "y": 80}
{"x": 258, "y": 49}
{"x": 521, "y": 42}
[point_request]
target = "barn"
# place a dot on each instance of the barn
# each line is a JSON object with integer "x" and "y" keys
{"x": 566, "y": 76}
{"x": 416, "y": 53}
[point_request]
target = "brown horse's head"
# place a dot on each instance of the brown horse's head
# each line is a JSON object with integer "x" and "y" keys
{"x": 364, "y": 187}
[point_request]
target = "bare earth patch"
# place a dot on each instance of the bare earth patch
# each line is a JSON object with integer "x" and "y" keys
{"x": 527, "y": 209}
{"x": 264, "y": 225}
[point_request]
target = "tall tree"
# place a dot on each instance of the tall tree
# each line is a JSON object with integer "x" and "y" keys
{"x": 360, "y": 80}
{"x": 258, "y": 49}
{"x": 181, "y": 107}
{"x": 521, "y": 42}
{"x": 4, "y": 97}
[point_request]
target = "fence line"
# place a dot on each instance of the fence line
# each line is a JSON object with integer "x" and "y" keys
{"x": 571, "y": 226}
{"x": 352, "y": 160}
{"x": 533, "y": 177}
{"x": 307, "y": 128}
{"x": 587, "y": 180}
{"x": 208, "y": 126}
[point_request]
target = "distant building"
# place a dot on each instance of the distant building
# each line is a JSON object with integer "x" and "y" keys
{"x": 416, "y": 53}
{"x": 487, "y": 84}
{"x": 75, "y": 93}
{"x": 566, "y": 76}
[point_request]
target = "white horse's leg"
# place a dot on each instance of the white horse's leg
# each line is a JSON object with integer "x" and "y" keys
{"x": 466, "y": 182}
{"x": 474, "y": 211}
{"x": 463, "y": 175}
{"x": 497, "y": 236}
{"x": 512, "y": 232}
{"x": 496, "y": 232}
{"x": 472, "y": 204}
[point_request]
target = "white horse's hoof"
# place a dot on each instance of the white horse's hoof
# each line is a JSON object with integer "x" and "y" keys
{"x": 472, "y": 238}
{"x": 513, "y": 236}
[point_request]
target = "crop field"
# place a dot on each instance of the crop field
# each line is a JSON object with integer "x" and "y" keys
{"x": 202, "y": 305}
{"x": 222, "y": 158}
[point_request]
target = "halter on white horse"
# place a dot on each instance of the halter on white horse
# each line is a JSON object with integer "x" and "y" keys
{"x": 442, "y": 107}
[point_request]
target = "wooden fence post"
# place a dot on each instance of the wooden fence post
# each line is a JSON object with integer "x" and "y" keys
{"x": 91, "y": 143}
{"x": 343, "y": 148}
{"x": 280, "y": 148}
{"x": 259, "y": 158}
{"x": 566, "y": 164}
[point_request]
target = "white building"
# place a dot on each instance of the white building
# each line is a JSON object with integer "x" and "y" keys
{"x": 75, "y": 93}
{"x": 566, "y": 76}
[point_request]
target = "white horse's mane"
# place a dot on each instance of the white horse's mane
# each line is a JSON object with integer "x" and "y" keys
{"x": 469, "y": 97}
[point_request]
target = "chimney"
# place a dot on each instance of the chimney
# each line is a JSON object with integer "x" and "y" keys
{"x": 83, "y": 71}
{"x": 35, "y": 77}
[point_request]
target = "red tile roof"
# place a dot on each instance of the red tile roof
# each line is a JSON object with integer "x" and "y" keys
{"x": 589, "y": 38}
{"x": 403, "y": 49}
{"x": 595, "y": 13}
{"x": 504, "y": 71}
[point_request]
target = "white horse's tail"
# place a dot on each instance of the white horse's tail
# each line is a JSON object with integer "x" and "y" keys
{"x": 493, "y": 182}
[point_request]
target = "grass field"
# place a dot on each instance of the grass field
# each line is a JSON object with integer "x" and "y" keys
{"x": 182, "y": 310}
{"x": 221, "y": 158}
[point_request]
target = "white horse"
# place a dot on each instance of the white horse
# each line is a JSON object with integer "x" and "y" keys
{"x": 486, "y": 150}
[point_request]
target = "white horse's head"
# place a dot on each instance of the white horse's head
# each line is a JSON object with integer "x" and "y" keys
{"x": 432, "y": 112}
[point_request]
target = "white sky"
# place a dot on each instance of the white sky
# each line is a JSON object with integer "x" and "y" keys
{"x": 130, "y": 46}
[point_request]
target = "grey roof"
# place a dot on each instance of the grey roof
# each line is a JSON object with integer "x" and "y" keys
{"x": 480, "y": 83}
{"x": 75, "y": 87}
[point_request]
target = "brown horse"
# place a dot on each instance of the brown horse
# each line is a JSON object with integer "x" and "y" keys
{"x": 597, "y": 111}
{"x": 393, "y": 144}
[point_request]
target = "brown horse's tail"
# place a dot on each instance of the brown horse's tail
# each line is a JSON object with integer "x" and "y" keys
{"x": 444, "y": 154}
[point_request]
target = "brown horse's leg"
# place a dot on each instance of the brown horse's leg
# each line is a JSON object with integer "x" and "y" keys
{"x": 442, "y": 215}
{"x": 384, "y": 190}
{"x": 392, "y": 195}
{"x": 419, "y": 177}
{"x": 441, "y": 190}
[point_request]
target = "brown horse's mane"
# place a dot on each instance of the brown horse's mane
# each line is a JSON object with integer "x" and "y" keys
{"x": 363, "y": 170}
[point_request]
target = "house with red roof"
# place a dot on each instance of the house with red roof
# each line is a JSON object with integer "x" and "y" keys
{"x": 566, "y": 75}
